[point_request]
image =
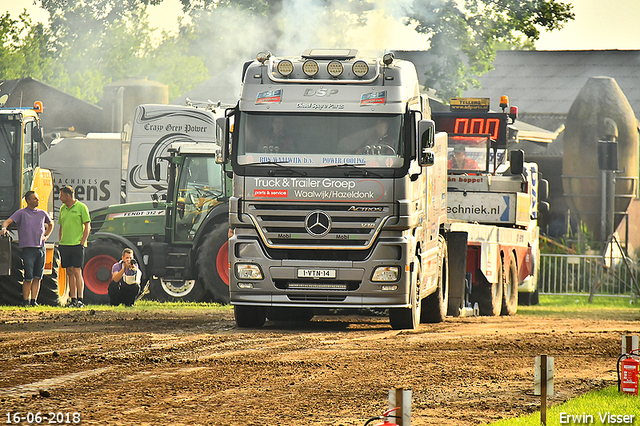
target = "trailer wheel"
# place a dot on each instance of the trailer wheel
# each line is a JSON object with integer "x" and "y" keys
{"x": 53, "y": 291}
{"x": 249, "y": 316}
{"x": 489, "y": 296}
{"x": 215, "y": 249}
{"x": 510, "y": 289}
{"x": 100, "y": 256}
{"x": 434, "y": 307}
{"x": 11, "y": 285}
{"x": 409, "y": 318}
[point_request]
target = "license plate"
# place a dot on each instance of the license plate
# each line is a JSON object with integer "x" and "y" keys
{"x": 316, "y": 273}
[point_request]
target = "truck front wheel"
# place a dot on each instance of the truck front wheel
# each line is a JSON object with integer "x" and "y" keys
{"x": 408, "y": 318}
{"x": 214, "y": 251}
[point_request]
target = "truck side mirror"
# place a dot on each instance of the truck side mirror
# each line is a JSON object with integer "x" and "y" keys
{"x": 516, "y": 159}
{"x": 543, "y": 189}
{"x": 223, "y": 126}
{"x": 38, "y": 134}
{"x": 426, "y": 141}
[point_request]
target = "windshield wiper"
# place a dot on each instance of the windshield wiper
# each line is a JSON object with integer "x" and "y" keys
{"x": 279, "y": 164}
{"x": 354, "y": 170}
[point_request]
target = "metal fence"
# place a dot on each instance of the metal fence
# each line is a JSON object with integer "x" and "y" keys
{"x": 580, "y": 274}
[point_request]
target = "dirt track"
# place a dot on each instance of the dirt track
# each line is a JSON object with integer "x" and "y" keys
{"x": 186, "y": 367}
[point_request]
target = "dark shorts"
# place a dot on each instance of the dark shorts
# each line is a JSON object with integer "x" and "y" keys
{"x": 71, "y": 256}
{"x": 33, "y": 258}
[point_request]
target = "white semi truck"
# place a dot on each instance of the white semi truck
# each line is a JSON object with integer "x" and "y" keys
{"x": 339, "y": 191}
{"x": 492, "y": 209}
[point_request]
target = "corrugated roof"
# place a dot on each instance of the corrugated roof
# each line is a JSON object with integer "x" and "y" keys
{"x": 540, "y": 81}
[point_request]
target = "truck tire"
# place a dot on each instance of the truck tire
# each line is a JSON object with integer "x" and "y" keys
{"x": 176, "y": 291}
{"x": 215, "y": 248}
{"x": 99, "y": 257}
{"x": 249, "y": 316}
{"x": 11, "y": 285}
{"x": 290, "y": 314}
{"x": 489, "y": 296}
{"x": 52, "y": 291}
{"x": 434, "y": 307}
{"x": 510, "y": 289}
{"x": 408, "y": 318}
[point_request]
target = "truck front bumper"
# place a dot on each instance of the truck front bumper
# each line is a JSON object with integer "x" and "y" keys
{"x": 344, "y": 284}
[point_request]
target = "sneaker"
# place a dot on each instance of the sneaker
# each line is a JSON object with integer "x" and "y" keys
{"x": 34, "y": 303}
{"x": 79, "y": 304}
{"x": 26, "y": 302}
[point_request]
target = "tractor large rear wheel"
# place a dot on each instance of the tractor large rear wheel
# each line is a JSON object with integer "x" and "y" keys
{"x": 213, "y": 263}
{"x": 100, "y": 256}
{"x": 53, "y": 291}
{"x": 11, "y": 285}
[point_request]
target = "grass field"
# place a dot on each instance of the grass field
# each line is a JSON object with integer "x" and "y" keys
{"x": 599, "y": 405}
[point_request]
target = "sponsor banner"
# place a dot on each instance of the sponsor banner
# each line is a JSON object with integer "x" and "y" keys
{"x": 317, "y": 189}
{"x": 272, "y": 96}
{"x": 141, "y": 213}
{"x": 321, "y": 160}
{"x": 470, "y": 182}
{"x": 482, "y": 208}
{"x": 376, "y": 98}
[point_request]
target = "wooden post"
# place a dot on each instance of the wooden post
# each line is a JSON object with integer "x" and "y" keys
{"x": 543, "y": 390}
{"x": 400, "y": 397}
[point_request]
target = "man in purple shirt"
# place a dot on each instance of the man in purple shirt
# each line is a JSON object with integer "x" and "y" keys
{"x": 34, "y": 228}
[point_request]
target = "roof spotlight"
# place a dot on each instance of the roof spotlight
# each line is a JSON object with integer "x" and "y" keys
{"x": 285, "y": 67}
{"x": 388, "y": 58}
{"x": 310, "y": 68}
{"x": 360, "y": 68}
{"x": 335, "y": 68}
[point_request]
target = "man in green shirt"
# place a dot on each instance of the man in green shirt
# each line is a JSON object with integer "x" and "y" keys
{"x": 75, "y": 225}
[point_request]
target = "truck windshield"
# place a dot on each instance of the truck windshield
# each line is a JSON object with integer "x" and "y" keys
{"x": 467, "y": 154}
{"x": 373, "y": 140}
{"x": 9, "y": 153}
{"x": 199, "y": 190}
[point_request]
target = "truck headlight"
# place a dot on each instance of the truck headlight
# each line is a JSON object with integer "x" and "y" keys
{"x": 248, "y": 271}
{"x": 386, "y": 273}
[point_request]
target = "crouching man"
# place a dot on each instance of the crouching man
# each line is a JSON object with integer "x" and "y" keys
{"x": 125, "y": 280}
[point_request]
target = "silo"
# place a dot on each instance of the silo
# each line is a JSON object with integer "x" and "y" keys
{"x": 121, "y": 98}
{"x": 599, "y": 101}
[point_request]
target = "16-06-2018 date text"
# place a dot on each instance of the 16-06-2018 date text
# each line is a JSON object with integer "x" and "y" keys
{"x": 51, "y": 418}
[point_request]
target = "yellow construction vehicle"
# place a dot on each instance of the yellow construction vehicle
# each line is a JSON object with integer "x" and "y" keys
{"x": 21, "y": 142}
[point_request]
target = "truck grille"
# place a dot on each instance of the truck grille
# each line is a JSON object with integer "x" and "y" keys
{"x": 327, "y": 226}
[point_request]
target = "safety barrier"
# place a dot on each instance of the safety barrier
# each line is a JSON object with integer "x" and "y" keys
{"x": 570, "y": 274}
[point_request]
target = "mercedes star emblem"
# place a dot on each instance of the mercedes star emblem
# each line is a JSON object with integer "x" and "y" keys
{"x": 317, "y": 223}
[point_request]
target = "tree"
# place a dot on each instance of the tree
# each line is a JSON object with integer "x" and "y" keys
{"x": 24, "y": 48}
{"x": 464, "y": 34}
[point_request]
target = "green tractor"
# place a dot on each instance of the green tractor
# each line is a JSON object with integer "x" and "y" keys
{"x": 179, "y": 241}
